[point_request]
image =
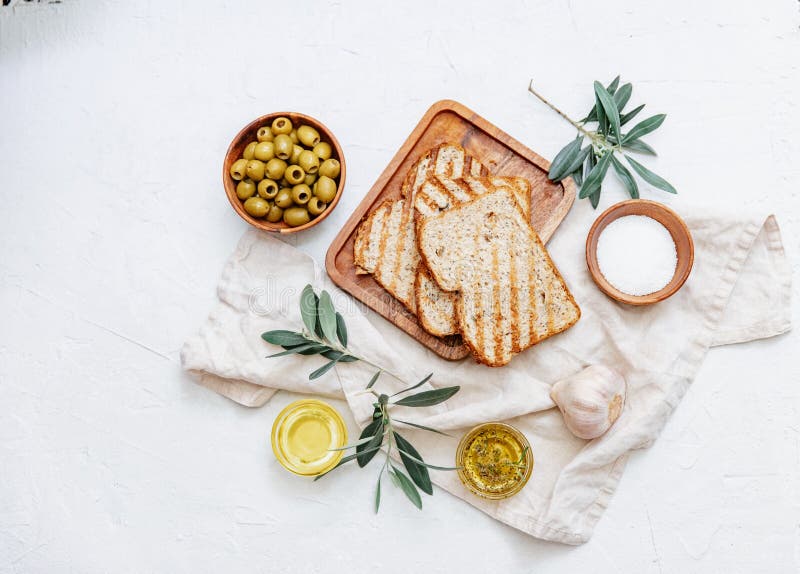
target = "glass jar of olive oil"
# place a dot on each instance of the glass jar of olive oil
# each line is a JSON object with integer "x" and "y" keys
{"x": 495, "y": 460}
{"x": 304, "y": 433}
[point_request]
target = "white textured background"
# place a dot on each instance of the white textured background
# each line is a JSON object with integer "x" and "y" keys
{"x": 114, "y": 117}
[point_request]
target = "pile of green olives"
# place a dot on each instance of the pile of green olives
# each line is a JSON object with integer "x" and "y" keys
{"x": 287, "y": 175}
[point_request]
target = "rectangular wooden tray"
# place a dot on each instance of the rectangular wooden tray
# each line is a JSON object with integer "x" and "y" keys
{"x": 446, "y": 121}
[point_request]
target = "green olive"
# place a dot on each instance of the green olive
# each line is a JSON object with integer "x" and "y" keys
{"x": 296, "y": 151}
{"x": 308, "y": 136}
{"x": 255, "y": 170}
{"x": 256, "y": 206}
{"x": 293, "y": 137}
{"x": 281, "y": 125}
{"x": 325, "y": 189}
{"x": 294, "y": 174}
{"x": 275, "y": 214}
{"x": 267, "y": 188}
{"x": 264, "y": 134}
{"x": 301, "y": 193}
{"x": 310, "y": 179}
{"x": 296, "y": 216}
{"x": 284, "y": 198}
{"x": 239, "y": 169}
{"x": 249, "y": 150}
{"x": 316, "y": 206}
{"x": 275, "y": 168}
{"x": 330, "y": 168}
{"x": 245, "y": 188}
{"x": 323, "y": 150}
{"x": 308, "y": 161}
{"x": 283, "y": 146}
{"x": 264, "y": 151}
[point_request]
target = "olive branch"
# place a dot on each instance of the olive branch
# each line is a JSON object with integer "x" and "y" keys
{"x": 588, "y": 165}
{"x": 325, "y": 334}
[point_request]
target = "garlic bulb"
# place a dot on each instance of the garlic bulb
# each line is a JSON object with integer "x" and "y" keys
{"x": 591, "y": 400}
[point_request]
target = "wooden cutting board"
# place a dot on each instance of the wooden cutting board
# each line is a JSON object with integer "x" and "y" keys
{"x": 446, "y": 122}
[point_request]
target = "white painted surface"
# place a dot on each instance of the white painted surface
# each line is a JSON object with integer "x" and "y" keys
{"x": 114, "y": 117}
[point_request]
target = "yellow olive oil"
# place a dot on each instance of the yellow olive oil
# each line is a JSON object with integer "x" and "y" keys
{"x": 303, "y": 434}
{"x": 494, "y": 460}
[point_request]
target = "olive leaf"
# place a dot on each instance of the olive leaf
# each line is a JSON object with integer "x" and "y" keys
{"x": 341, "y": 329}
{"x": 417, "y": 472}
{"x": 322, "y": 370}
{"x": 327, "y": 316}
{"x": 609, "y": 107}
{"x": 564, "y": 158}
{"x": 650, "y": 177}
{"x": 428, "y": 398}
{"x": 308, "y": 308}
{"x": 640, "y": 147}
{"x": 622, "y": 96}
{"x": 594, "y": 180}
{"x": 592, "y": 116}
{"x": 378, "y": 493}
{"x": 625, "y": 118}
{"x": 363, "y": 451}
{"x": 626, "y": 177}
{"x": 373, "y": 379}
{"x": 406, "y": 486}
{"x": 338, "y": 356}
{"x": 644, "y": 127}
{"x": 283, "y": 338}
{"x": 419, "y": 384}
{"x": 342, "y": 462}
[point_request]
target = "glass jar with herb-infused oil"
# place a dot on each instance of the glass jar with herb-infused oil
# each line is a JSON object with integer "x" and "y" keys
{"x": 304, "y": 433}
{"x": 495, "y": 460}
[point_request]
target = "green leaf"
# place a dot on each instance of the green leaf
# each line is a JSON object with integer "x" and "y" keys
{"x": 406, "y": 486}
{"x": 602, "y": 119}
{"x": 577, "y": 175}
{"x": 327, "y": 316}
{"x": 592, "y": 116}
{"x": 313, "y": 347}
{"x": 428, "y": 398}
{"x": 612, "y": 87}
{"x": 594, "y": 180}
{"x": 365, "y": 452}
{"x": 640, "y": 147}
{"x": 625, "y": 118}
{"x": 344, "y": 460}
{"x": 418, "y": 473}
{"x": 322, "y": 370}
{"x": 609, "y": 106}
{"x": 284, "y": 338}
{"x": 373, "y": 379}
{"x": 339, "y": 356}
{"x": 644, "y": 127}
{"x": 423, "y": 427}
{"x": 650, "y": 177}
{"x": 626, "y": 177}
{"x": 341, "y": 329}
{"x": 411, "y": 388}
{"x": 317, "y": 326}
{"x": 564, "y": 158}
{"x": 318, "y": 349}
{"x": 622, "y": 96}
{"x": 308, "y": 308}
{"x": 591, "y": 161}
{"x": 378, "y": 492}
{"x": 576, "y": 162}
{"x": 433, "y": 466}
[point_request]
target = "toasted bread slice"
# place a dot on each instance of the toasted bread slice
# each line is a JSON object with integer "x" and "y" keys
{"x": 445, "y": 160}
{"x": 386, "y": 244}
{"x": 511, "y": 296}
{"x": 435, "y": 307}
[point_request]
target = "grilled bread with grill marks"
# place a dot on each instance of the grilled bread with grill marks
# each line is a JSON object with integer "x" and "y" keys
{"x": 435, "y": 307}
{"x": 386, "y": 243}
{"x": 511, "y": 296}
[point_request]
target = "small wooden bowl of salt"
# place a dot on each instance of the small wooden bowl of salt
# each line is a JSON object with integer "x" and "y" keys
{"x": 639, "y": 252}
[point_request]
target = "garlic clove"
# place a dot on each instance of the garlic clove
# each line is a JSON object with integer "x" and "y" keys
{"x": 591, "y": 400}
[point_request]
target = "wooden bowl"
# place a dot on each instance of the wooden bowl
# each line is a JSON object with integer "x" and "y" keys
{"x": 677, "y": 229}
{"x": 247, "y": 135}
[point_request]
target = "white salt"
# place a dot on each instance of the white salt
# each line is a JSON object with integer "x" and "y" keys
{"x": 636, "y": 254}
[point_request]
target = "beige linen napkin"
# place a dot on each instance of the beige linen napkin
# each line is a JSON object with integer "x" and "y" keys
{"x": 739, "y": 290}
